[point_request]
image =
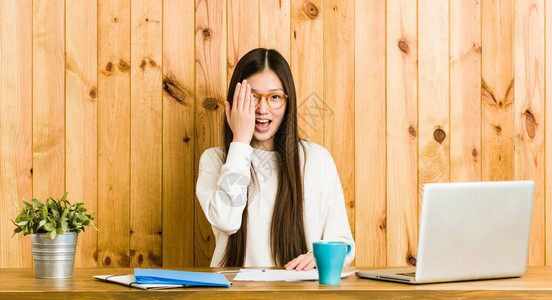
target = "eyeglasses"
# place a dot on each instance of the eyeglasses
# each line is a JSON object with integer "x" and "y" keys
{"x": 274, "y": 100}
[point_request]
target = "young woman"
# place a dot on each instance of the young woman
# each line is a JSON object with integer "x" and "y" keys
{"x": 267, "y": 194}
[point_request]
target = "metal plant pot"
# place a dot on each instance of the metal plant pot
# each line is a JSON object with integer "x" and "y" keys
{"x": 54, "y": 258}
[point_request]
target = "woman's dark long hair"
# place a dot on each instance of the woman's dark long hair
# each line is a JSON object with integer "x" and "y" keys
{"x": 287, "y": 233}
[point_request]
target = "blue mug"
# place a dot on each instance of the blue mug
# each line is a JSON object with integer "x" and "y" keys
{"x": 329, "y": 257}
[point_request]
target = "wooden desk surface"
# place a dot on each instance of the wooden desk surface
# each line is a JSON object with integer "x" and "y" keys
{"x": 21, "y": 284}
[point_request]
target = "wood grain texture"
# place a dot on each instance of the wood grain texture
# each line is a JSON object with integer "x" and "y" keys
{"x": 178, "y": 134}
{"x": 146, "y": 125}
{"x": 210, "y": 75}
{"x": 81, "y": 90}
{"x": 339, "y": 95}
{"x": 529, "y": 113}
{"x": 307, "y": 52}
{"x": 433, "y": 94}
{"x": 65, "y": 111}
{"x": 497, "y": 94}
{"x": 243, "y": 35}
{"x": 113, "y": 133}
{"x": 548, "y": 137}
{"x": 402, "y": 133}
{"x": 274, "y": 25}
{"x": 16, "y": 28}
{"x": 465, "y": 90}
{"x": 48, "y": 99}
{"x": 20, "y": 284}
{"x": 370, "y": 131}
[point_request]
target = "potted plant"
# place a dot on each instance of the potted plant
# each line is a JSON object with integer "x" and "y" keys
{"x": 54, "y": 227}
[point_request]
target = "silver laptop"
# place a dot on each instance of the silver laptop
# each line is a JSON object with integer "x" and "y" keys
{"x": 469, "y": 231}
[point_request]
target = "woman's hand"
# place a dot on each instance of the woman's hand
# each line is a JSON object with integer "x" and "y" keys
{"x": 241, "y": 116}
{"x": 303, "y": 262}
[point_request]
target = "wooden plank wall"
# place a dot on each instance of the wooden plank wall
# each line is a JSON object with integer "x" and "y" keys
{"x": 114, "y": 101}
{"x": 113, "y": 133}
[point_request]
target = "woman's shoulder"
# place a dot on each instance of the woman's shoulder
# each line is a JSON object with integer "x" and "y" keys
{"x": 315, "y": 151}
{"x": 212, "y": 155}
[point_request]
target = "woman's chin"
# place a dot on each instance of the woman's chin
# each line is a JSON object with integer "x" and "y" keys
{"x": 261, "y": 137}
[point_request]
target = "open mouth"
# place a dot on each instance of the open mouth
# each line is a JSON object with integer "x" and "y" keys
{"x": 262, "y": 125}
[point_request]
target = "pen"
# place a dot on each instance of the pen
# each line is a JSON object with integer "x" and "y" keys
{"x": 229, "y": 272}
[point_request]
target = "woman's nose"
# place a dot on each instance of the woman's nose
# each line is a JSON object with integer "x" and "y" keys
{"x": 262, "y": 107}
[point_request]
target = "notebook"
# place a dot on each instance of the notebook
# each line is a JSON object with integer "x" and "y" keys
{"x": 157, "y": 276}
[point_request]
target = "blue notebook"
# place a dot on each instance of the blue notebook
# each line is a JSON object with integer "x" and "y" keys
{"x": 156, "y": 276}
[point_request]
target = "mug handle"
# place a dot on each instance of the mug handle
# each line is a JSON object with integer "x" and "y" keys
{"x": 349, "y": 248}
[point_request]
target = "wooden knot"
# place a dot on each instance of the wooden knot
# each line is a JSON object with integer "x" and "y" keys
{"x": 403, "y": 45}
{"x": 124, "y": 260}
{"x": 186, "y": 139}
{"x": 383, "y": 224}
{"x": 124, "y": 66}
{"x": 140, "y": 259}
{"x": 146, "y": 61}
{"x": 411, "y": 260}
{"x": 143, "y": 65}
{"x": 210, "y": 104}
{"x": 412, "y": 131}
{"x": 498, "y": 129}
{"x": 93, "y": 93}
{"x": 155, "y": 259}
{"x": 174, "y": 89}
{"x": 108, "y": 69}
{"x": 474, "y": 152}
{"x": 530, "y": 124}
{"x": 115, "y": 20}
{"x": 107, "y": 261}
{"x": 439, "y": 135}
{"x": 311, "y": 10}
{"x": 207, "y": 34}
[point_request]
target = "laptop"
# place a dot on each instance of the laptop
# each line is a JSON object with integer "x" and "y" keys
{"x": 469, "y": 231}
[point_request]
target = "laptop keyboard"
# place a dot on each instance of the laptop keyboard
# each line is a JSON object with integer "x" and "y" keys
{"x": 411, "y": 274}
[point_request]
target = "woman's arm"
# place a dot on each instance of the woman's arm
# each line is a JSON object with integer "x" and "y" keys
{"x": 333, "y": 219}
{"x": 222, "y": 189}
{"x": 334, "y": 214}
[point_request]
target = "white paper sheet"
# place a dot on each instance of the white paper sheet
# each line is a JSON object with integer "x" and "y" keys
{"x": 281, "y": 275}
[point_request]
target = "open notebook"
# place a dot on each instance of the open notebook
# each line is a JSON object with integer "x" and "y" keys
{"x": 130, "y": 281}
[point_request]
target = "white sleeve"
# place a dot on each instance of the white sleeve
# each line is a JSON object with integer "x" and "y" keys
{"x": 222, "y": 190}
{"x": 334, "y": 214}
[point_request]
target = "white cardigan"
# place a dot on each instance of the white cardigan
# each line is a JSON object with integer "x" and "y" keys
{"x": 222, "y": 188}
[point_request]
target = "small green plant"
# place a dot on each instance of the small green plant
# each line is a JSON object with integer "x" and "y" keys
{"x": 54, "y": 217}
